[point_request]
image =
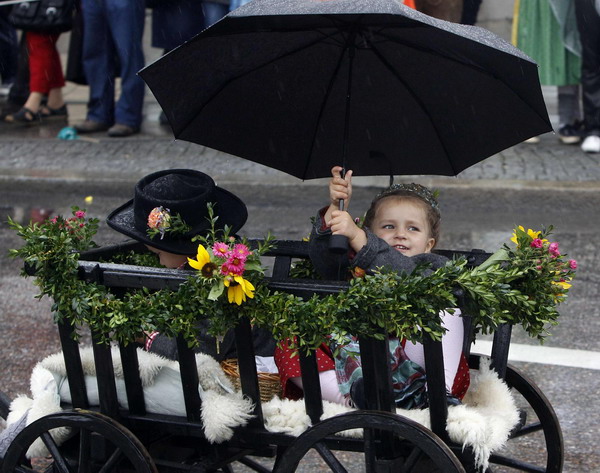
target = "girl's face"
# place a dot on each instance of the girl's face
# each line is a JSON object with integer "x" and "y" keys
{"x": 168, "y": 260}
{"x": 403, "y": 225}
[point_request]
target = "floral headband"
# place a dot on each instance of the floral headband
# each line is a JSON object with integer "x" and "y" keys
{"x": 420, "y": 191}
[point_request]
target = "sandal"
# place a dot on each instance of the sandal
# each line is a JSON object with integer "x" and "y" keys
{"x": 47, "y": 112}
{"x": 24, "y": 115}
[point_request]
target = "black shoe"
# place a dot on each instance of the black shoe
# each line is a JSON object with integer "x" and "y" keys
{"x": 90, "y": 126}
{"x": 571, "y": 133}
{"x": 24, "y": 116}
{"x": 48, "y": 113}
{"x": 357, "y": 393}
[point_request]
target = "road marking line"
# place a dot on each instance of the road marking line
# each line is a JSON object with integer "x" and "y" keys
{"x": 544, "y": 355}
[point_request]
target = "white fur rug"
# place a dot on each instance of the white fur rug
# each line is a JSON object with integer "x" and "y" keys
{"x": 223, "y": 409}
{"x": 483, "y": 421}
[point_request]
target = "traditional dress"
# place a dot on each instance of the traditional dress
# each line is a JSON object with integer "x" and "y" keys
{"x": 547, "y": 31}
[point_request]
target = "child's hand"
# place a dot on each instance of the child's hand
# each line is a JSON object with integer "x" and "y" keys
{"x": 340, "y": 188}
{"x": 341, "y": 223}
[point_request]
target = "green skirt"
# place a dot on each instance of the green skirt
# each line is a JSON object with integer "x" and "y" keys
{"x": 539, "y": 36}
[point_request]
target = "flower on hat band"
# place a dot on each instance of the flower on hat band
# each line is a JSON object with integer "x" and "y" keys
{"x": 160, "y": 220}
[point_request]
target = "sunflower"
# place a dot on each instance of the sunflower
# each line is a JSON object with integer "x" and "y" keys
{"x": 238, "y": 289}
{"x": 203, "y": 263}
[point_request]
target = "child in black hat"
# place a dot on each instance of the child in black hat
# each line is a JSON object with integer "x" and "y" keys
{"x": 168, "y": 209}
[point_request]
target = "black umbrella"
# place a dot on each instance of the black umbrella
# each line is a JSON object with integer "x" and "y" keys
{"x": 302, "y": 85}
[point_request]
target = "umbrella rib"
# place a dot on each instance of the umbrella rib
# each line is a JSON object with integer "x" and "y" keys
{"x": 472, "y": 66}
{"x": 416, "y": 99}
{"x": 225, "y": 84}
{"x": 322, "y": 108}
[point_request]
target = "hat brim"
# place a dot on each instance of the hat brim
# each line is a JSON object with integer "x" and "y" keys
{"x": 228, "y": 207}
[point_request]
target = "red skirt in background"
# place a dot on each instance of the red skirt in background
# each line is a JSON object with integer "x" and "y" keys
{"x": 45, "y": 70}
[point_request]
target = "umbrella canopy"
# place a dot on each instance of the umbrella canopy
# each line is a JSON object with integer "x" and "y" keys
{"x": 302, "y": 85}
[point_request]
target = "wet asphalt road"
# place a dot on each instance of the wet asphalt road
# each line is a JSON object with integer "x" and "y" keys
{"x": 472, "y": 219}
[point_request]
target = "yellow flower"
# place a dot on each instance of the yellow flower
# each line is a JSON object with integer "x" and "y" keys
{"x": 203, "y": 263}
{"x": 530, "y": 233}
{"x": 564, "y": 284}
{"x": 89, "y": 199}
{"x": 238, "y": 289}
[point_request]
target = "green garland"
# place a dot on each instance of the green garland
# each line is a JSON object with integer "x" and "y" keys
{"x": 522, "y": 286}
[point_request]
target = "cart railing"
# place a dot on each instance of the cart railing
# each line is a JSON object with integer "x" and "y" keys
{"x": 374, "y": 353}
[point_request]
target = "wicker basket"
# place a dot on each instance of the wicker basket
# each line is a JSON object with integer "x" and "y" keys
{"x": 268, "y": 383}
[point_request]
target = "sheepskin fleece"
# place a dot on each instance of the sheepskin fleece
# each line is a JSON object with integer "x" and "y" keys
{"x": 223, "y": 408}
{"x": 483, "y": 421}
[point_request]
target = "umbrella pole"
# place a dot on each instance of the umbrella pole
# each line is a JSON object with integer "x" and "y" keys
{"x": 339, "y": 243}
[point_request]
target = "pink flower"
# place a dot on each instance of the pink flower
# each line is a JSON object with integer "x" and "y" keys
{"x": 572, "y": 264}
{"x": 221, "y": 250}
{"x": 54, "y": 220}
{"x": 235, "y": 265}
{"x": 240, "y": 251}
{"x": 553, "y": 250}
{"x": 80, "y": 214}
{"x": 537, "y": 243}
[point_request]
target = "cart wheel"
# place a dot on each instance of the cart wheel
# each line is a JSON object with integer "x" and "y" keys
{"x": 422, "y": 450}
{"x": 538, "y": 438}
{"x": 95, "y": 443}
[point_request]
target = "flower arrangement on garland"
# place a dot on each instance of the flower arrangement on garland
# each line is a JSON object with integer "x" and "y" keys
{"x": 520, "y": 285}
{"x": 228, "y": 284}
{"x": 52, "y": 252}
{"x": 527, "y": 283}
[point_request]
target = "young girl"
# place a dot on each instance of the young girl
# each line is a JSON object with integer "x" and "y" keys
{"x": 183, "y": 194}
{"x": 401, "y": 228}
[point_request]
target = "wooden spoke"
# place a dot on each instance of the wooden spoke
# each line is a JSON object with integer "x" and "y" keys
{"x": 330, "y": 458}
{"x": 84, "y": 451}
{"x": 321, "y": 438}
{"x": 60, "y": 462}
{"x": 75, "y": 454}
{"x": 114, "y": 460}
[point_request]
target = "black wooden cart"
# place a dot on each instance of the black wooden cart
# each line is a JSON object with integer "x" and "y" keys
{"x": 108, "y": 438}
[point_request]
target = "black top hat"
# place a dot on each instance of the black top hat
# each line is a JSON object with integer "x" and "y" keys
{"x": 182, "y": 192}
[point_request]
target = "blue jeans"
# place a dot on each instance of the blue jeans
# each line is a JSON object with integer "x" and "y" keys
{"x": 9, "y": 48}
{"x": 236, "y": 4}
{"x": 114, "y": 29}
{"x": 213, "y": 12}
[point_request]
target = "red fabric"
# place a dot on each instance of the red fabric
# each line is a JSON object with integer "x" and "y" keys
{"x": 149, "y": 340}
{"x": 410, "y": 3}
{"x": 462, "y": 378}
{"x": 289, "y": 367}
{"x": 45, "y": 70}
{"x": 322, "y": 213}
